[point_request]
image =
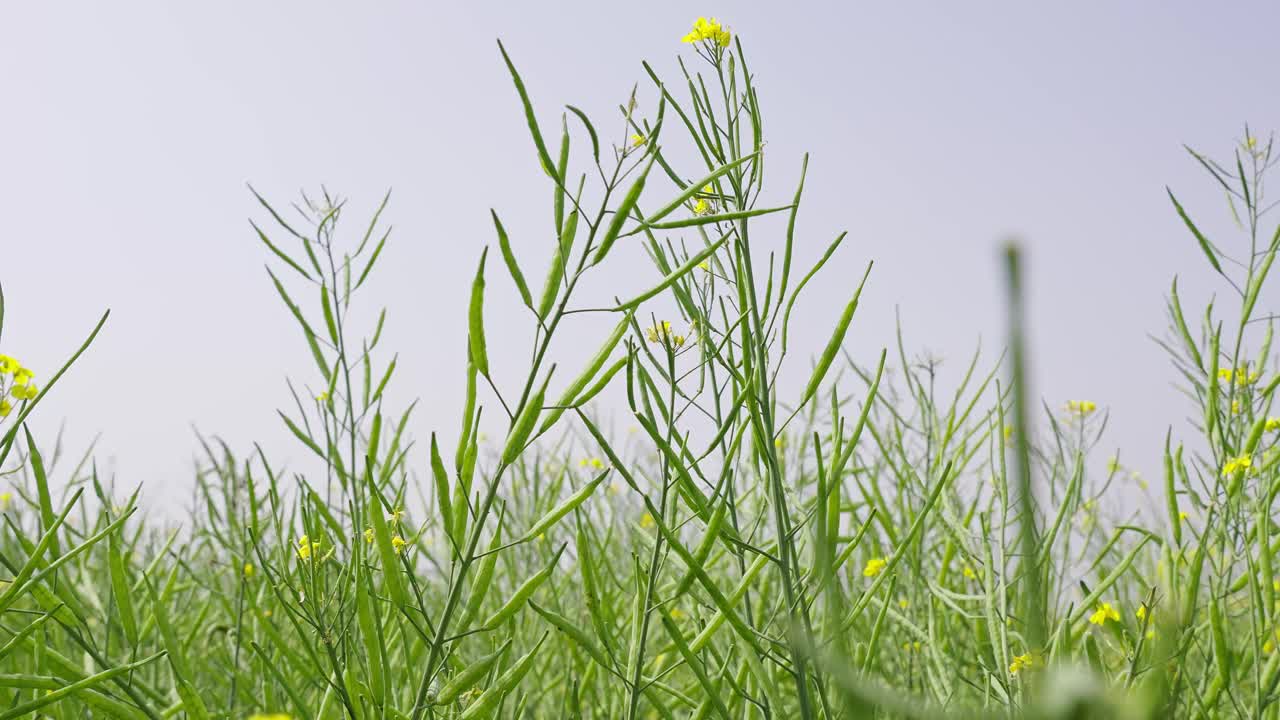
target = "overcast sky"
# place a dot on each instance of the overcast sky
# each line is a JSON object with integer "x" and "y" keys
{"x": 129, "y": 131}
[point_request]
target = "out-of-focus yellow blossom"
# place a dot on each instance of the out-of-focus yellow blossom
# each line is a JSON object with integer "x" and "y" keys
{"x": 708, "y": 29}
{"x": 1272, "y": 424}
{"x": 398, "y": 543}
{"x": 395, "y": 515}
{"x": 1103, "y": 613}
{"x": 614, "y": 488}
{"x": 322, "y": 397}
{"x": 1008, "y": 431}
{"x": 1242, "y": 376}
{"x": 6, "y": 499}
{"x": 912, "y": 646}
{"x": 874, "y": 567}
{"x": 1238, "y": 464}
{"x": 368, "y": 535}
{"x": 969, "y": 573}
{"x": 594, "y": 463}
{"x": 1025, "y": 661}
{"x": 1182, "y": 515}
{"x": 1141, "y": 612}
{"x": 904, "y": 603}
{"x": 676, "y": 614}
{"x": 270, "y": 716}
{"x": 248, "y": 570}
{"x": 1113, "y": 464}
{"x": 646, "y": 521}
{"x": 638, "y": 140}
{"x": 6, "y": 407}
{"x": 704, "y": 266}
{"x": 1081, "y": 407}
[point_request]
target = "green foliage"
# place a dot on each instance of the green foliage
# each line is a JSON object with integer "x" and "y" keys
{"x": 869, "y": 546}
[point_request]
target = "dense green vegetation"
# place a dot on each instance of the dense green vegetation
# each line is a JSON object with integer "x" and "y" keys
{"x": 862, "y": 545}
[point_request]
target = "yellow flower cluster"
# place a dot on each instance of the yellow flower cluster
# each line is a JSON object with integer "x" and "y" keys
{"x": 1103, "y": 613}
{"x": 708, "y": 29}
{"x": 1235, "y": 465}
{"x": 662, "y": 334}
{"x": 1242, "y": 376}
{"x": 1081, "y": 407}
{"x": 15, "y": 384}
{"x": 594, "y": 463}
{"x": 1025, "y": 661}
{"x": 874, "y": 567}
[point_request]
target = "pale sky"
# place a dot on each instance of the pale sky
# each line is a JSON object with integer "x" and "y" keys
{"x": 129, "y": 131}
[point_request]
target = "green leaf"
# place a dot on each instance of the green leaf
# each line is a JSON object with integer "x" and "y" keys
{"x": 1204, "y": 242}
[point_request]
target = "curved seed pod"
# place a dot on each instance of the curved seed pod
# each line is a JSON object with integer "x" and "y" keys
{"x": 475, "y": 320}
{"x": 556, "y": 513}
{"x": 621, "y": 214}
{"x": 469, "y": 676}
{"x": 523, "y": 426}
{"x": 505, "y": 684}
{"x": 522, "y": 594}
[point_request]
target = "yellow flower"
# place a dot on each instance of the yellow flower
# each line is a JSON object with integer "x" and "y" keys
{"x": 704, "y": 266}
{"x": 1239, "y": 464}
{"x": 308, "y": 548}
{"x": 911, "y": 646}
{"x": 8, "y": 365}
{"x": 676, "y": 614}
{"x": 1025, "y": 661}
{"x": 395, "y": 515}
{"x": 368, "y": 535}
{"x": 701, "y": 207}
{"x": 322, "y": 397}
{"x": 398, "y": 543}
{"x": 661, "y": 333}
{"x": 6, "y": 499}
{"x": 270, "y": 716}
{"x": 1272, "y": 424}
{"x": 1141, "y": 612}
{"x": 1235, "y": 407}
{"x": 874, "y": 567}
{"x": 1242, "y": 376}
{"x": 1113, "y": 464}
{"x": 1081, "y": 407}
{"x": 24, "y": 392}
{"x": 1103, "y": 613}
{"x": 710, "y": 30}
{"x": 248, "y": 570}
{"x": 638, "y": 140}
{"x": 646, "y": 521}
{"x": 1182, "y": 515}
{"x": 22, "y": 376}
{"x": 904, "y": 603}
{"x": 969, "y": 573}
{"x": 1008, "y": 431}
{"x": 1275, "y": 584}
{"x": 5, "y": 408}
{"x": 594, "y": 463}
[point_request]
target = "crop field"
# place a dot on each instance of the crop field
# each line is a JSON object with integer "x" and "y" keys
{"x": 657, "y": 525}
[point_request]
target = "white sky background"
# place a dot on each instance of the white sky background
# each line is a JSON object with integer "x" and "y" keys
{"x": 128, "y": 132}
